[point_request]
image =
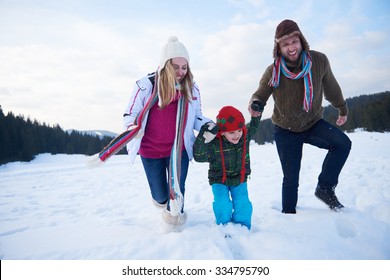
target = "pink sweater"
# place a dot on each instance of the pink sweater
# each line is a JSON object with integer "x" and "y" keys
{"x": 159, "y": 132}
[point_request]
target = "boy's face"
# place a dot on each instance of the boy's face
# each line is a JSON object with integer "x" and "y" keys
{"x": 233, "y": 136}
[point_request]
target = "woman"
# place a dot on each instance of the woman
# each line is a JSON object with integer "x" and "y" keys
{"x": 169, "y": 103}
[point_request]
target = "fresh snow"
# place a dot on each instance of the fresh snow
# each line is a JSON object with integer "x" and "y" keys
{"x": 55, "y": 208}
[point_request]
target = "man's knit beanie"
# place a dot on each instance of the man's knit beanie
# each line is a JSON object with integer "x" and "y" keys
{"x": 284, "y": 30}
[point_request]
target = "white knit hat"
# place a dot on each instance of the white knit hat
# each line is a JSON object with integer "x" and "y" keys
{"x": 172, "y": 49}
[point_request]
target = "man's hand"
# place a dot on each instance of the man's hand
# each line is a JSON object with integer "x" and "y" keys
{"x": 255, "y": 108}
{"x": 341, "y": 120}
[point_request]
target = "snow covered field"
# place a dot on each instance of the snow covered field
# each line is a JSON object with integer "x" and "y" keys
{"x": 55, "y": 208}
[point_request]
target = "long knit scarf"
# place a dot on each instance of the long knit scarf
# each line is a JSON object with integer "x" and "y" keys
{"x": 125, "y": 137}
{"x": 280, "y": 65}
{"x": 176, "y": 197}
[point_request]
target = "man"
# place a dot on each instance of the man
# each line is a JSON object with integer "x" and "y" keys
{"x": 298, "y": 80}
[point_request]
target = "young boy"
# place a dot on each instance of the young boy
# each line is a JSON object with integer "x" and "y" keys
{"x": 226, "y": 148}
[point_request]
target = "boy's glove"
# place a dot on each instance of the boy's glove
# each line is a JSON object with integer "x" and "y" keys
{"x": 257, "y": 106}
{"x": 210, "y": 132}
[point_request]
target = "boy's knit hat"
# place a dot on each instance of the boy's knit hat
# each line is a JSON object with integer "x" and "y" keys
{"x": 230, "y": 119}
{"x": 284, "y": 30}
{"x": 173, "y": 48}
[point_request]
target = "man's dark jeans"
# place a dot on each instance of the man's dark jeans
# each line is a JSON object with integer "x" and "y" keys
{"x": 289, "y": 145}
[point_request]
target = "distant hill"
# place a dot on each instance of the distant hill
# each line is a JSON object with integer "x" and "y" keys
{"x": 99, "y": 133}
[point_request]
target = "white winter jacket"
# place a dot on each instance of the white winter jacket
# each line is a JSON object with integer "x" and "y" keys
{"x": 142, "y": 91}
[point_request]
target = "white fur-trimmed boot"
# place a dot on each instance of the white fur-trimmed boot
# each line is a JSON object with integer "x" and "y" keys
{"x": 173, "y": 223}
{"x": 159, "y": 205}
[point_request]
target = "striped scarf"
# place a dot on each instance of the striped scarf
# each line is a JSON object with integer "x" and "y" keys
{"x": 176, "y": 196}
{"x": 125, "y": 137}
{"x": 280, "y": 65}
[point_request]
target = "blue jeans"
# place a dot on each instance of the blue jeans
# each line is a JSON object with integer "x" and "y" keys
{"x": 289, "y": 145}
{"x": 157, "y": 174}
{"x": 238, "y": 209}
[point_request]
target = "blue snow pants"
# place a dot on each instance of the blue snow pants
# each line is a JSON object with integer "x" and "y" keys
{"x": 232, "y": 204}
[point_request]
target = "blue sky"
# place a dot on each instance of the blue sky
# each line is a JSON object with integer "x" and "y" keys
{"x": 75, "y": 62}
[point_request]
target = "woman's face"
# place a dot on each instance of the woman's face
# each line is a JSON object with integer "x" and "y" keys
{"x": 180, "y": 65}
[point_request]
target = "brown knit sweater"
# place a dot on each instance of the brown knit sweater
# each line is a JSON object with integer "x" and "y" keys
{"x": 288, "y": 96}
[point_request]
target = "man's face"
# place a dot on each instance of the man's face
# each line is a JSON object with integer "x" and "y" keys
{"x": 291, "y": 48}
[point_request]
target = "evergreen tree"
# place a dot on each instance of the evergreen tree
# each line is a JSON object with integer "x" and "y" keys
{"x": 22, "y": 139}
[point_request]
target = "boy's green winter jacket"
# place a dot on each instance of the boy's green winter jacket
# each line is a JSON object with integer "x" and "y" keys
{"x": 211, "y": 153}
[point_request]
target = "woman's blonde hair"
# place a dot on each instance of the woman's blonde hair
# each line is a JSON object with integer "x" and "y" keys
{"x": 167, "y": 84}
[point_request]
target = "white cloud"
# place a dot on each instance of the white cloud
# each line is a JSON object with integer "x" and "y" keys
{"x": 232, "y": 62}
{"x": 62, "y": 65}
